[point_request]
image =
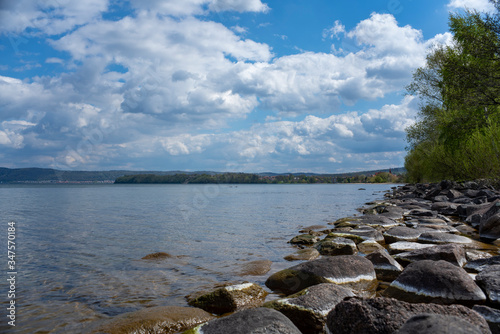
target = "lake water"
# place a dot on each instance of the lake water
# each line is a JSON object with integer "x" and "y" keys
{"x": 79, "y": 247}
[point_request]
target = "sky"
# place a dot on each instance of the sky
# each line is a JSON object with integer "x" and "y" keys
{"x": 222, "y": 85}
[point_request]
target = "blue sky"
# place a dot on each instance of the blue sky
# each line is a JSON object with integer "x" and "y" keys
{"x": 226, "y": 85}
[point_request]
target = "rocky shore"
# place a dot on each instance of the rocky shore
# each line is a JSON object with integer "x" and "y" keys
{"x": 425, "y": 259}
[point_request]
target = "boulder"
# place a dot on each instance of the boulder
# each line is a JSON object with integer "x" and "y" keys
{"x": 404, "y": 246}
{"x": 445, "y": 208}
{"x": 336, "y": 246}
{"x": 481, "y": 213}
{"x": 489, "y": 281}
{"x": 308, "y": 308}
{"x": 422, "y": 213}
{"x": 401, "y": 233}
{"x": 160, "y": 319}
{"x": 439, "y": 282}
{"x": 306, "y": 254}
{"x": 351, "y": 271}
{"x": 256, "y": 268}
{"x": 387, "y": 315}
{"x": 253, "y": 321}
{"x": 491, "y": 315}
{"x": 230, "y": 298}
{"x": 478, "y": 265}
{"x": 437, "y": 323}
{"x": 386, "y": 268}
{"x": 443, "y": 238}
{"x": 304, "y": 239}
{"x": 490, "y": 229}
{"x": 369, "y": 246}
{"x": 452, "y": 253}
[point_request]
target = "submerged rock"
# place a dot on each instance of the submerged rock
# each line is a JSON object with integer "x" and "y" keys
{"x": 160, "y": 319}
{"x": 256, "y": 268}
{"x": 437, "y": 282}
{"x": 354, "y": 272}
{"x": 230, "y": 298}
{"x": 157, "y": 256}
{"x": 308, "y": 308}
{"x": 387, "y": 315}
{"x": 253, "y": 321}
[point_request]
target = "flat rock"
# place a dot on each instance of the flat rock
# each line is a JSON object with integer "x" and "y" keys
{"x": 491, "y": 315}
{"x": 308, "y": 308}
{"x": 490, "y": 229}
{"x": 435, "y": 281}
{"x": 336, "y": 246}
{"x": 452, "y": 253}
{"x": 304, "y": 239}
{"x": 369, "y": 246}
{"x": 306, "y": 254}
{"x": 387, "y": 315}
{"x": 256, "y": 268}
{"x": 489, "y": 281}
{"x": 230, "y": 298}
{"x": 443, "y": 238}
{"x": 478, "y": 265}
{"x": 404, "y": 246}
{"x": 386, "y": 267}
{"x": 437, "y": 323}
{"x": 253, "y": 321}
{"x": 351, "y": 271}
{"x": 160, "y": 319}
{"x": 401, "y": 233}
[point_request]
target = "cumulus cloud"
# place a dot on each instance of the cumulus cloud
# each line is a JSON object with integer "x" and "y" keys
{"x": 480, "y": 5}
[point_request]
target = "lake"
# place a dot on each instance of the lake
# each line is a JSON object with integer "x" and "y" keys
{"x": 79, "y": 247}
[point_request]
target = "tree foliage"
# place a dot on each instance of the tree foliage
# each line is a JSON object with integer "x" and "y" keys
{"x": 457, "y": 132}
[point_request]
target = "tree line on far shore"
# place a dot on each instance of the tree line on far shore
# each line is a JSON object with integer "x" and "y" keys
{"x": 245, "y": 178}
{"x": 457, "y": 133}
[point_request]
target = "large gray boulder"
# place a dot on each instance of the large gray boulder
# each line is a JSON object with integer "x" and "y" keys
{"x": 437, "y": 323}
{"x": 489, "y": 281}
{"x": 351, "y": 271}
{"x": 160, "y": 319}
{"x": 306, "y": 254}
{"x": 308, "y": 308}
{"x": 452, "y": 253}
{"x": 490, "y": 228}
{"x": 439, "y": 282}
{"x": 386, "y": 267}
{"x": 253, "y": 321}
{"x": 387, "y": 315}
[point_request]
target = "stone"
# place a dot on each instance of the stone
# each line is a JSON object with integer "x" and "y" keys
{"x": 360, "y": 234}
{"x": 474, "y": 254}
{"x": 489, "y": 281}
{"x": 160, "y": 319}
{"x": 230, "y": 298}
{"x": 304, "y": 239}
{"x": 478, "y": 265}
{"x": 386, "y": 267}
{"x": 308, "y": 308}
{"x": 256, "y": 268}
{"x": 351, "y": 271}
{"x": 437, "y": 323}
{"x": 404, "y": 246}
{"x": 491, "y": 315}
{"x": 421, "y": 213}
{"x": 253, "y": 321}
{"x": 306, "y": 254}
{"x": 439, "y": 282}
{"x": 157, "y": 256}
{"x": 387, "y": 315}
{"x": 490, "y": 229}
{"x": 336, "y": 246}
{"x": 481, "y": 213}
{"x": 452, "y": 253}
{"x": 401, "y": 233}
{"x": 369, "y": 246}
{"x": 445, "y": 208}
{"x": 312, "y": 228}
{"x": 443, "y": 238}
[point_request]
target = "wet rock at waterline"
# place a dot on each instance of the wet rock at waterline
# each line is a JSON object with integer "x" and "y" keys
{"x": 160, "y": 319}
{"x": 256, "y": 268}
{"x": 253, "y": 321}
{"x": 306, "y": 254}
{"x": 308, "y": 308}
{"x": 304, "y": 239}
{"x": 435, "y": 281}
{"x": 157, "y": 256}
{"x": 351, "y": 271}
{"x": 387, "y": 315}
{"x": 336, "y": 246}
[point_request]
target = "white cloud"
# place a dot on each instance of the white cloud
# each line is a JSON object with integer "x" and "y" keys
{"x": 337, "y": 29}
{"x": 480, "y": 5}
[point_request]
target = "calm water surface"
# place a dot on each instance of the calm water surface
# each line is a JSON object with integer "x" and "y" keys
{"x": 79, "y": 247}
